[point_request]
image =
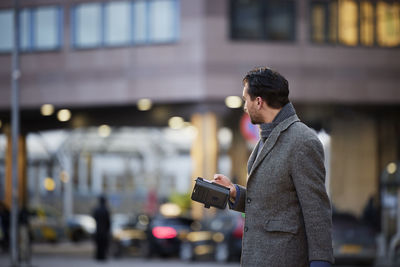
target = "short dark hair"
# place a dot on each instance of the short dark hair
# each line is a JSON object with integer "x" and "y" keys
{"x": 269, "y": 85}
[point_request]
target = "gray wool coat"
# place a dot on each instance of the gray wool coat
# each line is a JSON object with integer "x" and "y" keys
{"x": 288, "y": 213}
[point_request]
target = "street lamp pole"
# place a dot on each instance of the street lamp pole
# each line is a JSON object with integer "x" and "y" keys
{"x": 15, "y": 75}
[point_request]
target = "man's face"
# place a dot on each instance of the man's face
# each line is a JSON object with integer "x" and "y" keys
{"x": 251, "y": 107}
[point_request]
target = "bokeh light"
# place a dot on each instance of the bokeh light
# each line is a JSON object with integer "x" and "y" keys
{"x": 104, "y": 130}
{"x": 176, "y": 122}
{"x": 233, "y": 102}
{"x": 49, "y": 184}
{"x": 391, "y": 168}
{"x": 64, "y": 177}
{"x": 144, "y": 104}
{"x": 47, "y": 109}
{"x": 64, "y": 115}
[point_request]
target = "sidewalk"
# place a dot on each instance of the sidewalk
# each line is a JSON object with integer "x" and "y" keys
{"x": 81, "y": 255}
{"x": 55, "y": 261}
{"x": 64, "y": 248}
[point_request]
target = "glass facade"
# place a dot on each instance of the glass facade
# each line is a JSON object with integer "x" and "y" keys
{"x": 366, "y": 23}
{"x": 356, "y": 22}
{"x": 94, "y": 24}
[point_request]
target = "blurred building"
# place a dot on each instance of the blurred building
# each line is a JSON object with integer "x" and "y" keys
{"x": 99, "y": 59}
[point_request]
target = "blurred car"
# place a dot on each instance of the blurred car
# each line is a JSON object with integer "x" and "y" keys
{"x": 3, "y": 242}
{"x": 129, "y": 236}
{"x": 354, "y": 241}
{"x": 220, "y": 239}
{"x": 81, "y": 227}
{"x": 46, "y": 224}
{"x": 118, "y": 220}
{"x": 165, "y": 234}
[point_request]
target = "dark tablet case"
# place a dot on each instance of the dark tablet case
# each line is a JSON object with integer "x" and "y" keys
{"x": 210, "y": 194}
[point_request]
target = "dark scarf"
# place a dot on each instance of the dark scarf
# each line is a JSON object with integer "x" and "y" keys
{"x": 266, "y": 128}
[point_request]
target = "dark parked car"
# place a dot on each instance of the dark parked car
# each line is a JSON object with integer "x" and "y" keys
{"x": 129, "y": 236}
{"x": 46, "y": 224}
{"x": 165, "y": 234}
{"x": 81, "y": 227}
{"x": 354, "y": 240}
{"x": 219, "y": 238}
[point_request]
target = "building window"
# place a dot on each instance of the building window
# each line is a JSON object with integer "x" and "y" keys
{"x": 87, "y": 24}
{"x": 272, "y": 20}
{"x": 366, "y": 23}
{"x": 356, "y": 22}
{"x": 46, "y": 28}
{"x": 388, "y": 23}
{"x": 162, "y": 26}
{"x": 139, "y": 22}
{"x": 40, "y": 29}
{"x": 25, "y": 32}
{"x": 117, "y": 23}
{"x": 348, "y": 22}
{"x": 125, "y": 22}
{"x": 6, "y": 30}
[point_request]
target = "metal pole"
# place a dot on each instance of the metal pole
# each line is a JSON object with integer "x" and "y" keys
{"x": 15, "y": 75}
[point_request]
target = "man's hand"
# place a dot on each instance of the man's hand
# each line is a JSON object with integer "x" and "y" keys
{"x": 225, "y": 181}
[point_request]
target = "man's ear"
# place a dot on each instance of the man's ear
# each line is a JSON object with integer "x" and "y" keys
{"x": 259, "y": 102}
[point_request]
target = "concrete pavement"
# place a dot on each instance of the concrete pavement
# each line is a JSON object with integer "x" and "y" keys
{"x": 56, "y": 261}
{"x": 68, "y": 254}
{"x": 80, "y": 255}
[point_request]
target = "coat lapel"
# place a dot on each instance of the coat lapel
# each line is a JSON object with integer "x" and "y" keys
{"x": 269, "y": 144}
{"x": 253, "y": 157}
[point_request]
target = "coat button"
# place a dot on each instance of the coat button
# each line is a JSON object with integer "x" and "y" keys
{"x": 248, "y": 200}
{"x": 246, "y": 229}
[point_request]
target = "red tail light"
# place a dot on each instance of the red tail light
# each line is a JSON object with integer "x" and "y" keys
{"x": 238, "y": 232}
{"x": 164, "y": 232}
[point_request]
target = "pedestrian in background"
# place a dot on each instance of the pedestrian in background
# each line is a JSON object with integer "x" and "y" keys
{"x": 101, "y": 215}
{"x": 288, "y": 214}
{"x": 5, "y": 226}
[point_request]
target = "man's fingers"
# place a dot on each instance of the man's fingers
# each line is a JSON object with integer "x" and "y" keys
{"x": 217, "y": 176}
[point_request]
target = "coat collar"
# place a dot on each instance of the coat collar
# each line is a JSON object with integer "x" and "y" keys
{"x": 255, "y": 160}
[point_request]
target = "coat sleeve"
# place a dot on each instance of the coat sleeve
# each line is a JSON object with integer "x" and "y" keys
{"x": 308, "y": 174}
{"x": 238, "y": 205}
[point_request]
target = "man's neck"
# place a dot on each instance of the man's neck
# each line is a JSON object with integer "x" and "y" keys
{"x": 270, "y": 114}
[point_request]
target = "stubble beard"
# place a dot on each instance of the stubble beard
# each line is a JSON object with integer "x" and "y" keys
{"x": 254, "y": 120}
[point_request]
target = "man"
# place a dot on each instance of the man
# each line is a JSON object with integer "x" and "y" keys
{"x": 102, "y": 234}
{"x": 5, "y": 226}
{"x": 288, "y": 214}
